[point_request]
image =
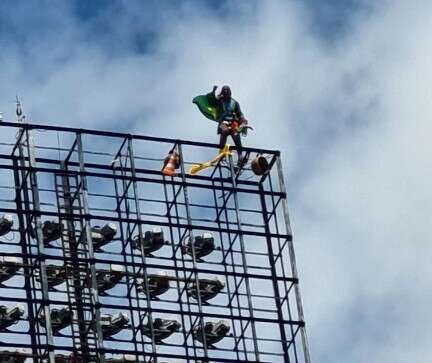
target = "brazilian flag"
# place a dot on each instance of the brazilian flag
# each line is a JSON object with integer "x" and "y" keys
{"x": 207, "y": 104}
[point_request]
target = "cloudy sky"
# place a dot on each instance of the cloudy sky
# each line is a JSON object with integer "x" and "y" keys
{"x": 341, "y": 87}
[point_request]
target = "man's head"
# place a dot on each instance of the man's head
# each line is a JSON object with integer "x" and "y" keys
{"x": 225, "y": 93}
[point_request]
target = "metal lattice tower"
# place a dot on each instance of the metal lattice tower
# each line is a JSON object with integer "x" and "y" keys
{"x": 105, "y": 259}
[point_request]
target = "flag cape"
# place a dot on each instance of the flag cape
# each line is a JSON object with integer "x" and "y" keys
{"x": 206, "y": 106}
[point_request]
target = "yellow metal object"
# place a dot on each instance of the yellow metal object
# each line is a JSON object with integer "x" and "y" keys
{"x": 196, "y": 168}
{"x": 225, "y": 151}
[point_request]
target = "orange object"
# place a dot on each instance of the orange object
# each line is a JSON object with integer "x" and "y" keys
{"x": 260, "y": 165}
{"x": 234, "y": 125}
{"x": 171, "y": 163}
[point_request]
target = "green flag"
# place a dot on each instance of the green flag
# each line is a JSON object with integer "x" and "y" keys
{"x": 207, "y": 107}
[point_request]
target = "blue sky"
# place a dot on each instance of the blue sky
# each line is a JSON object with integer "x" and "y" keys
{"x": 342, "y": 88}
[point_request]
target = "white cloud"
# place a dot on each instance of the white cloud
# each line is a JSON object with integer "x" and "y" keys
{"x": 351, "y": 118}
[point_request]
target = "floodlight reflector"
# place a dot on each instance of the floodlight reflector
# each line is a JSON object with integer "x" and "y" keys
{"x": 203, "y": 244}
{"x": 162, "y": 329}
{"x": 208, "y": 288}
{"x": 106, "y": 280}
{"x": 51, "y": 231}
{"x": 9, "y": 317}
{"x": 9, "y": 266}
{"x": 6, "y": 224}
{"x": 113, "y": 324}
{"x": 151, "y": 242}
{"x": 103, "y": 235}
{"x": 158, "y": 284}
{"x": 213, "y": 331}
{"x": 60, "y": 319}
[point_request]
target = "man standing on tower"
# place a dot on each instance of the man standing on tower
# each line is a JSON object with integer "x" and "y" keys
{"x": 226, "y": 111}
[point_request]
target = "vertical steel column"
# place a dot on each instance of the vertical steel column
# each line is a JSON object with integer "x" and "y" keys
{"x": 181, "y": 291}
{"x": 28, "y": 271}
{"x": 76, "y": 293}
{"x": 229, "y": 252}
{"x": 230, "y": 299}
{"x": 39, "y": 239}
{"x": 140, "y": 231}
{"x": 293, "y": 262}
{"x": 239, "y": 226}
{"x": 176, "y": 264}
{"x": 279, "y": 255}
{"x": 284, "y": 339}
{"x": 89, "y": 242}
{"x": 191, "y": 236}
{"x": 126, "y": 241}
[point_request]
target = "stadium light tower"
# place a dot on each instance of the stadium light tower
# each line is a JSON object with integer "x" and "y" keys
{"x": 113, "y": 252}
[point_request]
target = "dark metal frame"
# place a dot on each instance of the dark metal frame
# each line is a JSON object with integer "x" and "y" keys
{"x": 247, "y": 214}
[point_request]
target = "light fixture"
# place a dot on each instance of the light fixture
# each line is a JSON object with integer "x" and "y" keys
{"x": 113, "y": 324}
{"x": 56, "y": 275}
{"x": 70, "y": 358}
{"x": 17, "y": 356}
{"x": 6, "y": 223}
{"x": 62, "y": 358}
{"x": 51, "y": 231}
{"x": 106, "y": 280}
{"x": 157, "y": 284}
{"x": 203, "y": 244}
{"x": 208, "y": 288}
{"x": 124, "y": 358}
{"x": 213, "y": 332}
{"x": 60, "y": 319}
{"x": 103, "y": 235}
{"x": 162, "y": 329}
{"x": 152, "y": 241}
{"x": 10, "y": 317}
{"x": 9, "y": 266}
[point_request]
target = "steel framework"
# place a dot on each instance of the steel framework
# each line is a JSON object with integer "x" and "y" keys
{"x": 148, "y": 291}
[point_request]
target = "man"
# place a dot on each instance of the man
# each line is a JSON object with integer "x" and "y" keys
{"x": 226, "y": 111}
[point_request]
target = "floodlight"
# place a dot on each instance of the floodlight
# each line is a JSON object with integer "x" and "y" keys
{"x": 70, "y": 358}
{"x": 124, "y": 358}
{"x": 60, "y": 319}
{"x": 56, "y": 275}
{"x": 213, "y": 332}
{"x": 106, "y": 280}
{"x": 203, "y": 244}
{"x": 152, "y": 241}
{"x": 162, "y": 329}
{"x": 208, "y": 288}
{"x": 113, "y": 324}
{"x": 103, "y": 235}
{"x": 51, "y": 231}
{"x": 10, "y": 317}
{"x": 6, "y": 223}
{"x": 157, "y": 284}
{"x": 17, "y": 356}
{"x": 9, "y": 266}
{"x": 61, "y": 358}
